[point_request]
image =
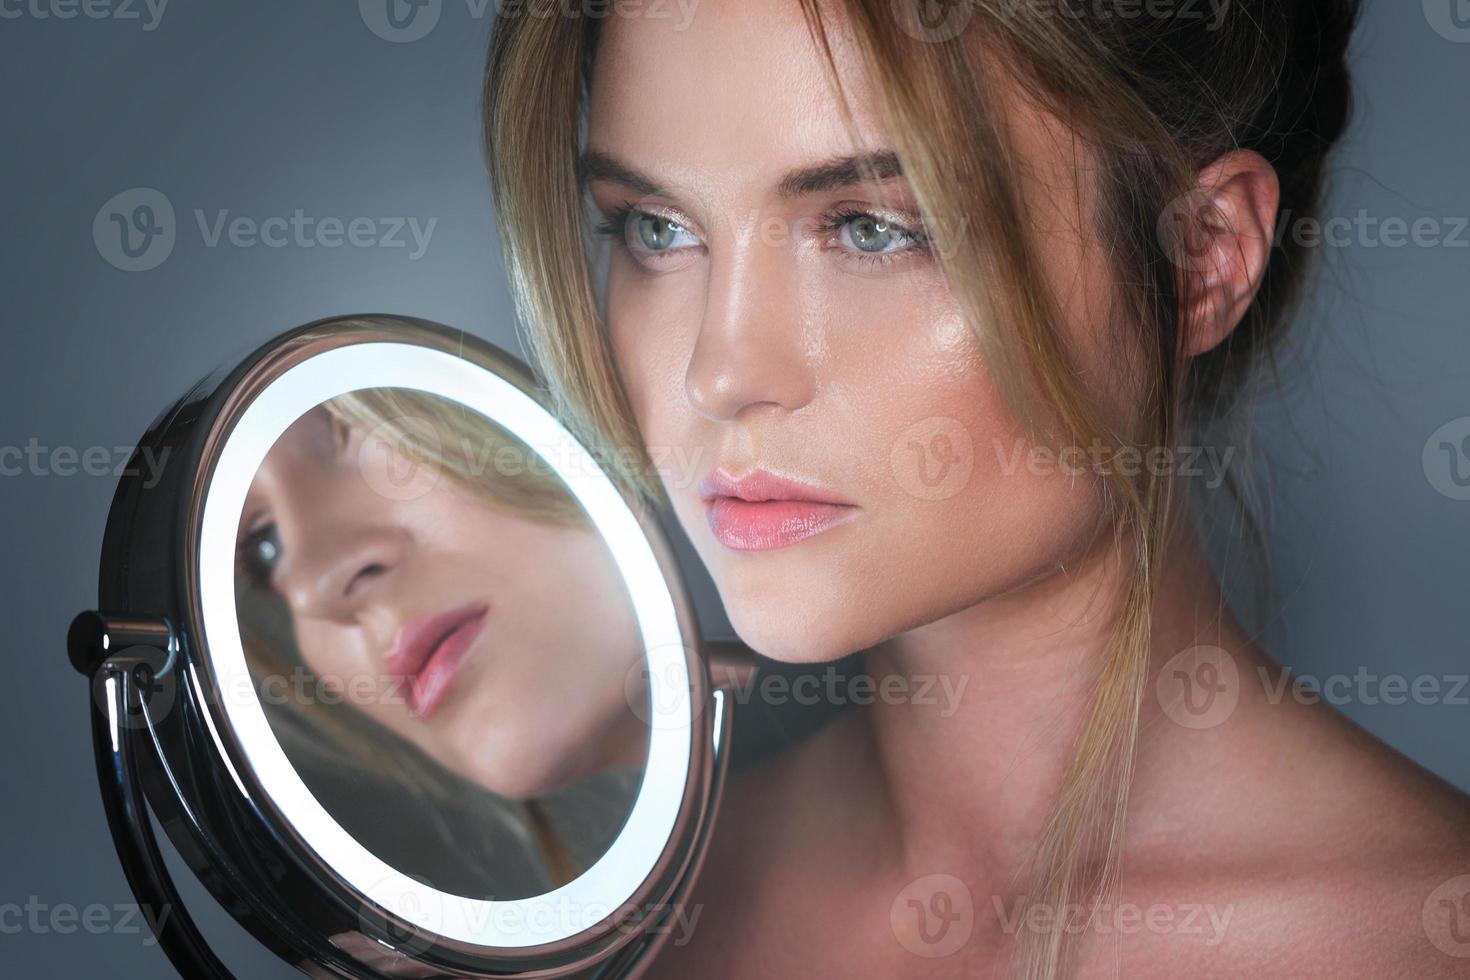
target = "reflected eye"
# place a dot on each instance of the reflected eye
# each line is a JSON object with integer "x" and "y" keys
{"x": 258, "y": 554}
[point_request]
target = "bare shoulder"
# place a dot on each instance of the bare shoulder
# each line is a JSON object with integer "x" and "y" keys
{"x": 1352, "y": 917}
{"x": 1385, "y": 891}
{"x": 1305, "y": 847}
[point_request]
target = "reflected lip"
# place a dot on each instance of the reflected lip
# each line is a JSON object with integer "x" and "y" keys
{"x": 429, "y": 651}
{"x": 760, "y": 511}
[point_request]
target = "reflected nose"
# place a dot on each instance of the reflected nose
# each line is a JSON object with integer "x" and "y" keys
{"x": 334, "y": 571}
{"x": 749, "y": 352}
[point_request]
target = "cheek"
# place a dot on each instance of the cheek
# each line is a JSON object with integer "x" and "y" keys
{"x": 330, "y": 653}
{"x": 652, "y": 327}
{"x": 975, "y": 509}
{"x": 963, "y": 505}
{"x": 959, "y": 505}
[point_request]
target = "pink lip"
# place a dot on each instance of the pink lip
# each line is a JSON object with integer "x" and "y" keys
{"x": 761, "y": 511}
{"x": 429, "y": 651}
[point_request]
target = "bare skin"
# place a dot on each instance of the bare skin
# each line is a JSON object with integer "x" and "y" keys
{"x": 1278, "y": 841}
{"x": 1282, "y": 842}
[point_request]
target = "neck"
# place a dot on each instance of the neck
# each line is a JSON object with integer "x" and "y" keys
{"x": 973, "y": 772}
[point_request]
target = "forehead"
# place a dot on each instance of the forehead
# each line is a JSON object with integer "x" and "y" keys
{"x": 306, "y": 446}
{"x": 310, "y": 435}
{"x": 735, "y": 95}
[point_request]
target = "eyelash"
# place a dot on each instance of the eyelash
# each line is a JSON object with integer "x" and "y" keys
{"x": 615, "y": 223}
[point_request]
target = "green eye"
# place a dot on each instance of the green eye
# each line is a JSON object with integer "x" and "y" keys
{"x": 657, "y": 233}
{"x": 870, "y": 234}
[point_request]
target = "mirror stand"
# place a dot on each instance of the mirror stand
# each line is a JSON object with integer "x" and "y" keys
{"x": 121, "y": 658}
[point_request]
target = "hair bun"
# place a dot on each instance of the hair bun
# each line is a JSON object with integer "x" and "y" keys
{"x": 1323, "y": 85}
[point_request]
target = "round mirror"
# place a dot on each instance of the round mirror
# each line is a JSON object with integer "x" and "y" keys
{"x": 408, "y": 677}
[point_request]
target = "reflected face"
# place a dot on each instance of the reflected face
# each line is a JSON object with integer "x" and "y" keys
{"x": 497, "y": 644}
{"x": 789, "y": 326}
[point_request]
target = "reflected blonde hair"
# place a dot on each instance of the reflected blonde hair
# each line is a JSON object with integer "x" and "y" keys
{"x": 1153, "y": 98}
{"x": 463, "y": 445}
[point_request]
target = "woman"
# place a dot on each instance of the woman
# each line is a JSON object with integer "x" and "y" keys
{"x": 935, "y": 293}
{"x": 443, "y": 642}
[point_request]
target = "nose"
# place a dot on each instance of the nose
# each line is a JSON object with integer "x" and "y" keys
{"x": 333, "y": 570}
{"x": 749, "y": 352}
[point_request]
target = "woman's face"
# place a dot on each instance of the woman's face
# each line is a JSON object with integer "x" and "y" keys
{"x": 769, "y": 314}
{"x": 496, "y": 644}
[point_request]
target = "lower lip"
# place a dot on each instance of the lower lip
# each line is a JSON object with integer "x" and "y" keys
{"x": 431, "y": 685}
{"x": 763, "y": 525}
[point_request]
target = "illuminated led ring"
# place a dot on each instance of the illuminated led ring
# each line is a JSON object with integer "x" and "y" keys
{"x": 591, "y": 897}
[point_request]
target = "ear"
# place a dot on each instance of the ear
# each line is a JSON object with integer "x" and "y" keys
{"x": 1221, "y": 235}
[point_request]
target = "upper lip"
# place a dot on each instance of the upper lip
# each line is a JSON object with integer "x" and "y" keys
{"x": 762, "y": 485}
{"x": 419, "y": 637}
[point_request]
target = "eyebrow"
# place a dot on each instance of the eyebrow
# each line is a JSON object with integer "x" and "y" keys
{"x": 878, "y": 167}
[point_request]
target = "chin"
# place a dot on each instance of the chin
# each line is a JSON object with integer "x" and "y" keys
{"x": 514, "y": 785}
{"x": 799, "y": 605}
{"x": 793, "y": 629}
{"x": 507, "y": 773}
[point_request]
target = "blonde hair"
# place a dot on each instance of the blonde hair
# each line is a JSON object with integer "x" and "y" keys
{"x": 1154, "y": 98}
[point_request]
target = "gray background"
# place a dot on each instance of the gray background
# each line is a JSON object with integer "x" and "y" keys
{"x": 265, "y": 107}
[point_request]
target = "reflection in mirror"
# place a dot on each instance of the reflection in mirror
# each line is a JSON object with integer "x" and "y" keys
{"x": 440, "y": 640}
